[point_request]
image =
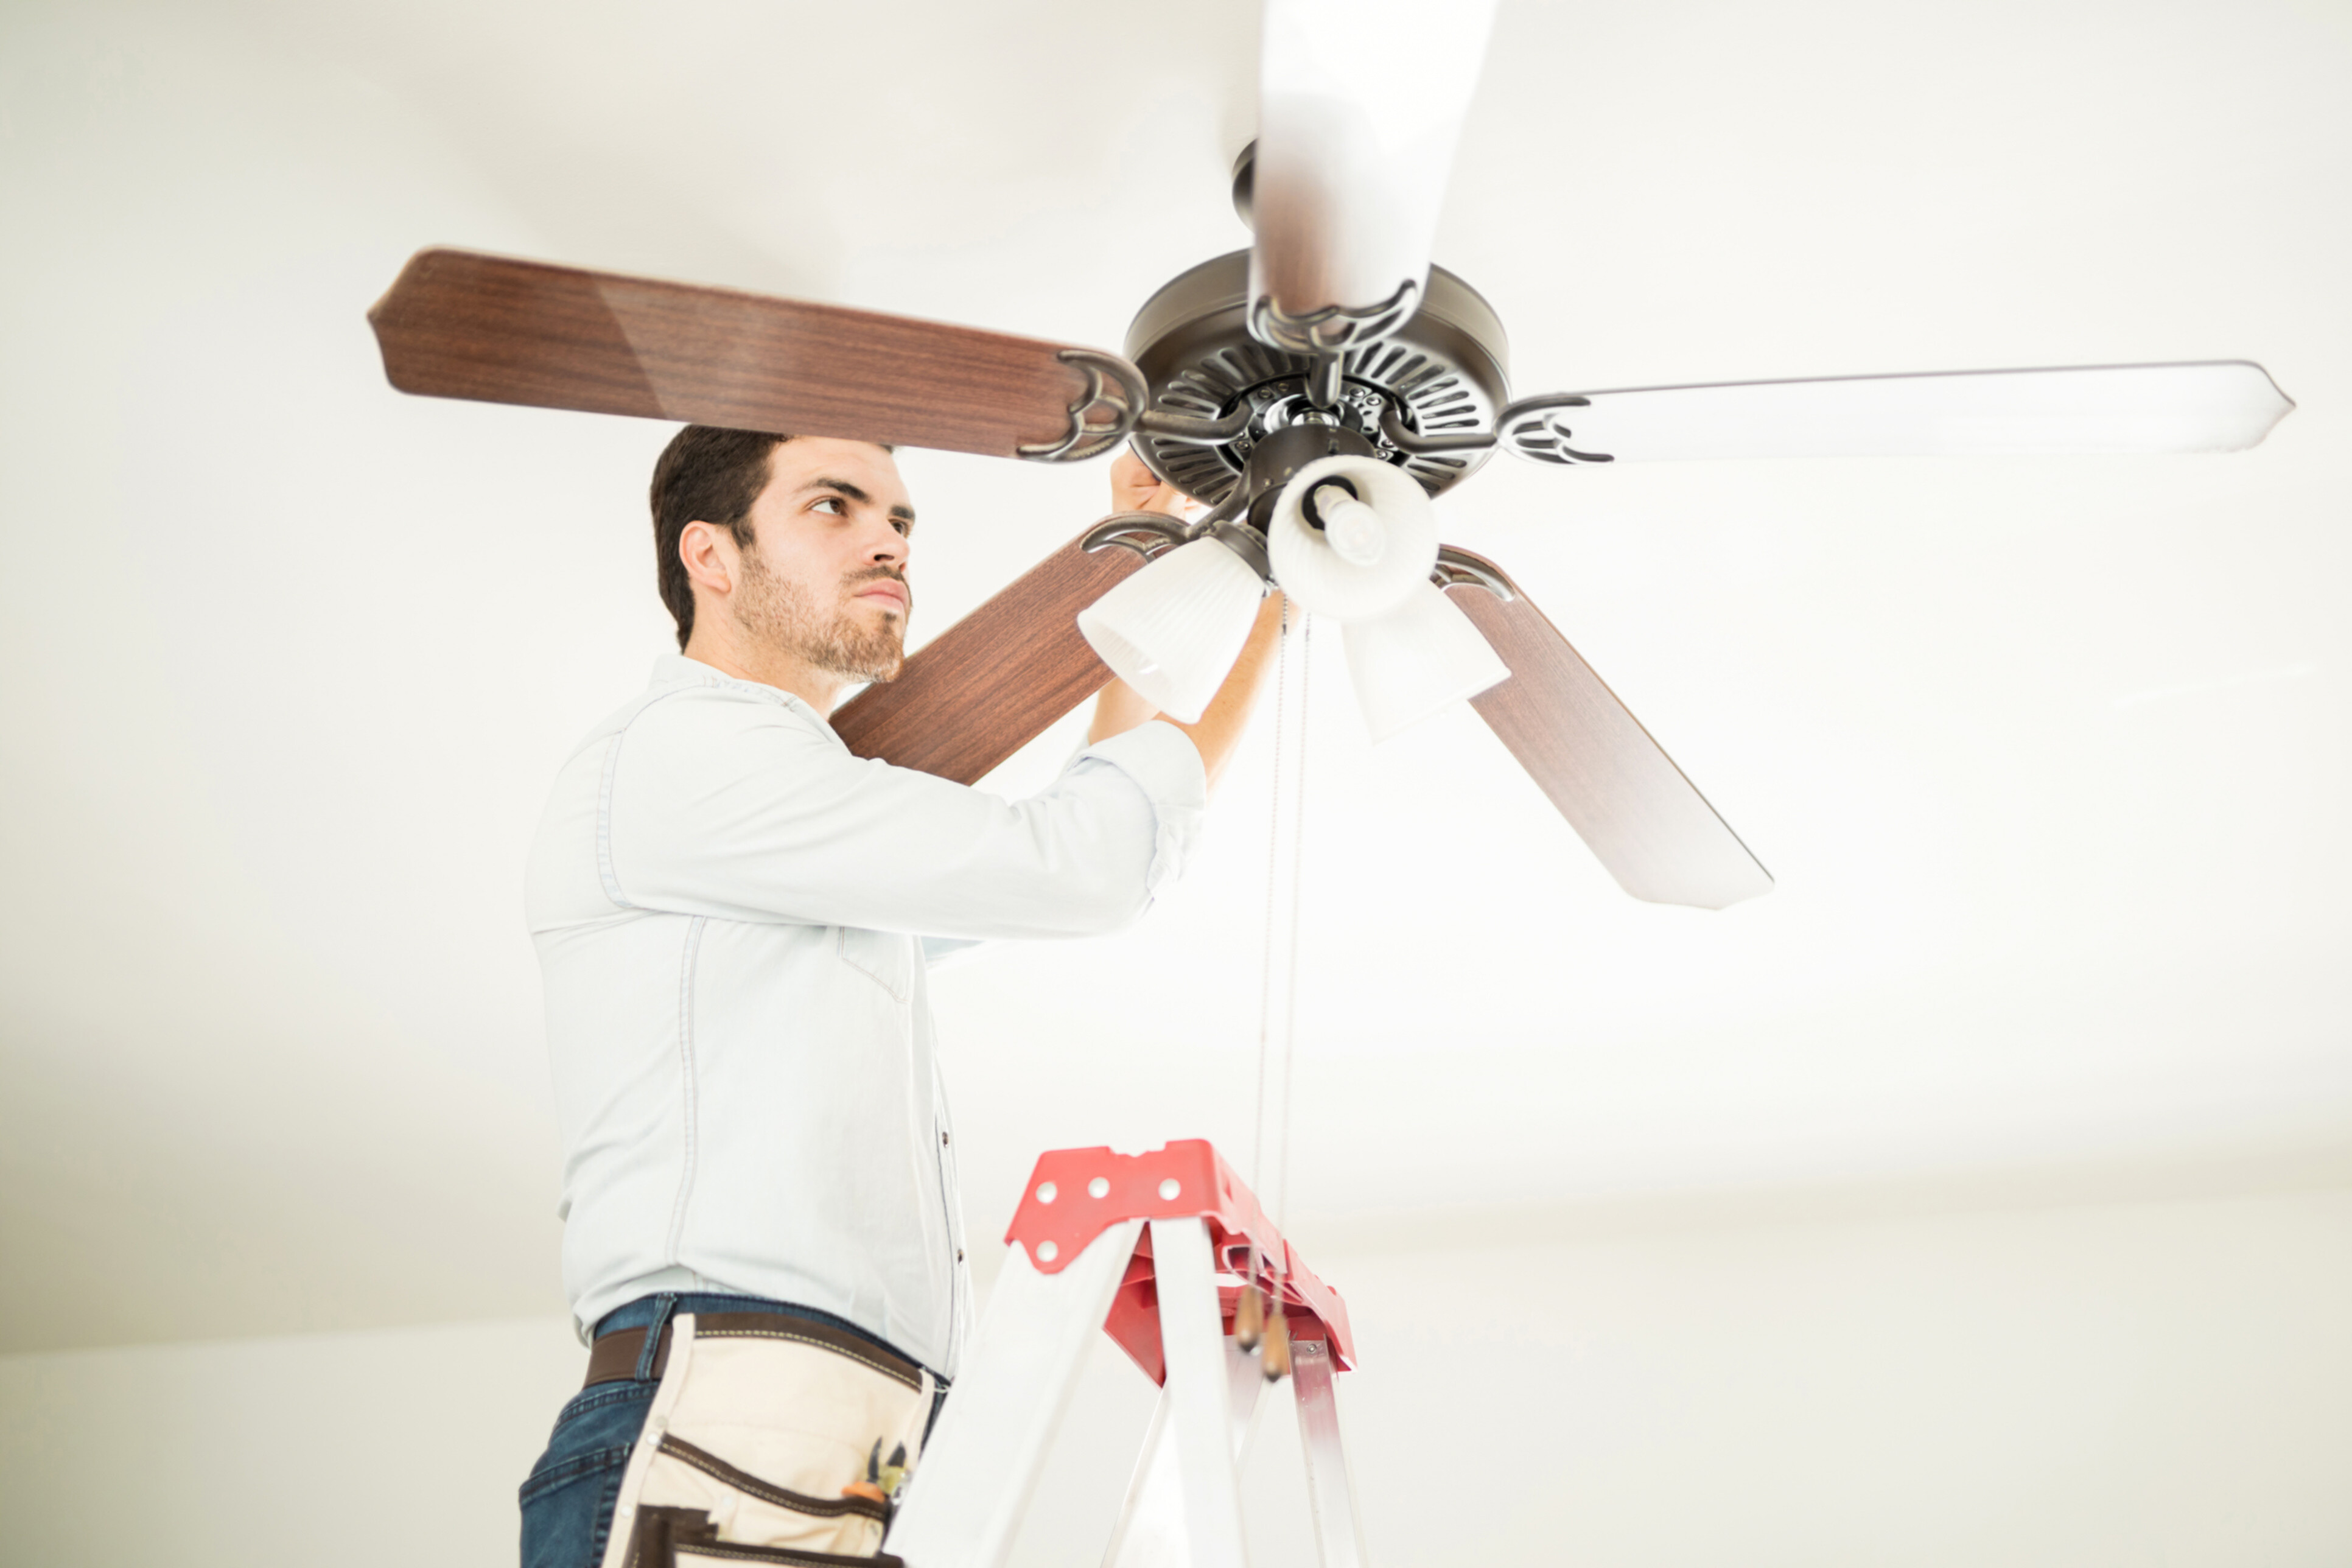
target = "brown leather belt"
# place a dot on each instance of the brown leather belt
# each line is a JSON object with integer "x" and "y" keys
{"x": 614, "y": 1356}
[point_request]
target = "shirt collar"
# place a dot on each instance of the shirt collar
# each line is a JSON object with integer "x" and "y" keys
{"x": 675, "y": 669}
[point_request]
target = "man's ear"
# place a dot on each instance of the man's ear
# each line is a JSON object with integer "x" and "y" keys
{"x": 710, "y": 557}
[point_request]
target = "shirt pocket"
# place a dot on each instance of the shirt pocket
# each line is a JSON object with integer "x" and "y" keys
{"x": 884, "y": 957}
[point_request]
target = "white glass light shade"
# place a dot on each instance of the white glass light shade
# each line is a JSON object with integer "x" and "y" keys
{"x": 1417, "y": 661}
{"x": 1388, "y": 561}
{"x": 1173, "y": 630}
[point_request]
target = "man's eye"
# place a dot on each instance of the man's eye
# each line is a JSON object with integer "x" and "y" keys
{"x": 903, "y": 526}
{"x": 840, "y": 507}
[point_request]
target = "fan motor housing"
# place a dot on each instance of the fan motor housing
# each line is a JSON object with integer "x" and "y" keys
{"x": 1446, "y": 370}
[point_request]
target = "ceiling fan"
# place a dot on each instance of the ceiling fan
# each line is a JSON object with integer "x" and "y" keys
{"x": 1313, "y": 393}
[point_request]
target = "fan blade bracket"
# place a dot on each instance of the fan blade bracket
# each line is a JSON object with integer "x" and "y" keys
{"x": 1112, "y": 385}
{"x": 1150, "y": 534}
{"x": 1332, "y": 330}
{"x": 1460, "y": 569}
{"x": 1413, "y": 443}
{"x": 1194, "y": 429}
{"x": 1537, "y": 428}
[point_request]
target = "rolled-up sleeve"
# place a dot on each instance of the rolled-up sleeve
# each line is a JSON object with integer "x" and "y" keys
{"x": 1162, "y": 762}
{"x": 741, "y": 809}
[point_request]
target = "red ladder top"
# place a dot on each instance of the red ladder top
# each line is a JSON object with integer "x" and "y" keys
{"x": 1076, "y": 1195}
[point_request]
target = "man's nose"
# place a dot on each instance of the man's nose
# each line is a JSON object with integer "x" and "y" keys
{"x": 887, "y": 548}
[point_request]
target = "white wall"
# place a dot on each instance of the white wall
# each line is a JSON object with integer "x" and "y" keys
{"x": 2127, "y": 1383}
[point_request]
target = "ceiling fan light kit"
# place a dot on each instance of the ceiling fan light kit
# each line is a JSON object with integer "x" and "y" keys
{"x": 1332, "y": 341}
{"x": 1173, "y": 630}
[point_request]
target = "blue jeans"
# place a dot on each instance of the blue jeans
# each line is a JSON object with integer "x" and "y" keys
{"x": 567, "y": 1503}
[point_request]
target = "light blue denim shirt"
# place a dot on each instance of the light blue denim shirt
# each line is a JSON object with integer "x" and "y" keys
{"x": 729, "y": 910}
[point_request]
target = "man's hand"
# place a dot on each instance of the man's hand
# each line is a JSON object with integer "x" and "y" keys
{"x": 1135, "y": 487}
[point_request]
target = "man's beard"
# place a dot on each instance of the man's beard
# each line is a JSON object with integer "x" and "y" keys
{"x": 779, "y": 613}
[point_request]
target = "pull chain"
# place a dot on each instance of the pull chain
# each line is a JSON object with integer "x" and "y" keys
{"x": 1273, "y": 1358}
{"x": 1258, "y": 1323}
{"x": 1249, "y": 1313}
{"x": 1273, "y": 869}
{"x": 1297, "y": 892}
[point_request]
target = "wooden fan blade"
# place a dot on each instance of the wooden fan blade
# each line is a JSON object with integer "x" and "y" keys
{"x": 456, "y": 323}
{"x": 2215, "y": 405}
{"x": 1617, "y": 787}
{"x": 1360, "y": 103}
{"x": 996, "y": 679}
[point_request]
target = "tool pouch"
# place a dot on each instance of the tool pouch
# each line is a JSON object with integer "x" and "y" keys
{"x": 757, "y": 1426}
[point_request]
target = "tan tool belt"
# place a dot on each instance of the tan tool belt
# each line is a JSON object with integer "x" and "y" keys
{"x": 767, "y": 1440}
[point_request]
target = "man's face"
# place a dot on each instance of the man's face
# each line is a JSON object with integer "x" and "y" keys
{"x": 827, "y": 582}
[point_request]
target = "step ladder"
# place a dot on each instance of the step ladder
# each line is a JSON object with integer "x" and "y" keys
{"x": 1153, "y": 1249}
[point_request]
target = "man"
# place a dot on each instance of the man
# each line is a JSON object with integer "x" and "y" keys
{"x": 763, "y": 1234}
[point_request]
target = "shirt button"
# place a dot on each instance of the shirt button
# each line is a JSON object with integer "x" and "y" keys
{"x": 959, "y": 1255}
{"x": 943, "y": 1140}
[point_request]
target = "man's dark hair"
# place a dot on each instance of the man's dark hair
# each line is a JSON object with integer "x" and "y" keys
{"x": 705, "y": 475}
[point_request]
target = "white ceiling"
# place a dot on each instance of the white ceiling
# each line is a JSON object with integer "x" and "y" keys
{"x": 2048, "y": 755}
